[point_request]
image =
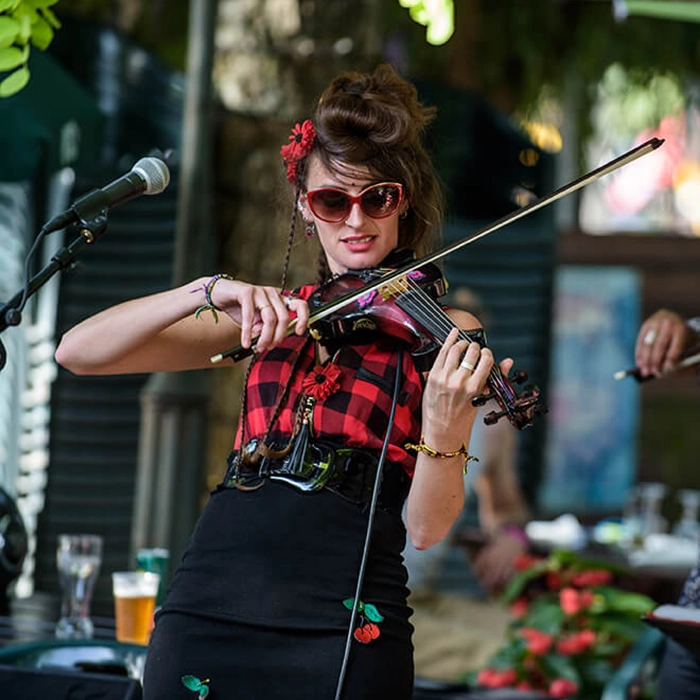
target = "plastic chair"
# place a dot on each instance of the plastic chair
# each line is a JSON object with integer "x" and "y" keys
{"x": 639, "y": 668}
{"x": 95, "y": 656}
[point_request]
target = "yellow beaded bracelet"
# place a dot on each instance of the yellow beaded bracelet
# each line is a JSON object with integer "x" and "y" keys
{"x": 431, "y": 452}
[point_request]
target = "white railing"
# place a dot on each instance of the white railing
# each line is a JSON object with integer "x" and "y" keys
{"x": 25, "y": 381}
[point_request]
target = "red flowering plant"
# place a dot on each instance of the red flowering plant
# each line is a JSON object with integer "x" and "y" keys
{"x": 571, "y": 628}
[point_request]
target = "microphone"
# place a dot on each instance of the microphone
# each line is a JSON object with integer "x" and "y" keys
{"x": 147, "y": 176}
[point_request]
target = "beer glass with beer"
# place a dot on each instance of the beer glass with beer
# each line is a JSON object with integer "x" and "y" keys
{"x": 134, "y": 604}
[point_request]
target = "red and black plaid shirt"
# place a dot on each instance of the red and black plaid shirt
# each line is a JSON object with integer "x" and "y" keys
{"x": 357, "y": 413}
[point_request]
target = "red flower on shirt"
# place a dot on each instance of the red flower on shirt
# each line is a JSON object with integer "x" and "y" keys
{"x": 321, "y": 383}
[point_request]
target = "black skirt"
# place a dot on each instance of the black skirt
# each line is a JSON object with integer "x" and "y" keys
{"x": 259, "y": 607}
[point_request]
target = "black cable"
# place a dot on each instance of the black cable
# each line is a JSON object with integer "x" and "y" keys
{"x": 28, "y": 268}
{"x": 370, "y": 522}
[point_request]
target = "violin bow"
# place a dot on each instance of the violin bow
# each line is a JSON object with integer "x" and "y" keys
{"x": 339, "y": 303}
{"x": 687, "y": 360}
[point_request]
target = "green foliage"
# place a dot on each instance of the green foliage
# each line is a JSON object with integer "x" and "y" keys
{"x": 23, "y": 24}
{"x": 548, "y": 44}
{"x": 512, "y": 51}
{"x": 437, "y": 16}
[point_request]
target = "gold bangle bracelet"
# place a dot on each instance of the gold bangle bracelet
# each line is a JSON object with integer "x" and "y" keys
{"x": 431, "y": 452}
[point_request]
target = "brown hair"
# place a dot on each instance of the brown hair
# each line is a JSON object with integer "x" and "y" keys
{"x": 377, "y": 121}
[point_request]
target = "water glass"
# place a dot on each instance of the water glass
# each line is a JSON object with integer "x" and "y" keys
{"x": 688, "y": 526}
{"x": 78, "y": 560}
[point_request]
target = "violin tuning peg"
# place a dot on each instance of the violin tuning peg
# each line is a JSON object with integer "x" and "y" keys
{"x": 519, "y": 376}
{"x": 494, "y": 416}
{"x": 481, "y": 400}
{"x": 531, "y": 391}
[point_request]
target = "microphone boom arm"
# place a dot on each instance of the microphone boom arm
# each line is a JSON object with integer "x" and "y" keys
{"x": 11, "y": 311}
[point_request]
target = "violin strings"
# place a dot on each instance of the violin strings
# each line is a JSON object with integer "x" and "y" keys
{"x": 426, "y": 310}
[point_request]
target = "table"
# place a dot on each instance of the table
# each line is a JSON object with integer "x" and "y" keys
{"x": 42, "y": 667}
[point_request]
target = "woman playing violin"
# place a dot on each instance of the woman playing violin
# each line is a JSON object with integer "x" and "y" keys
{"x": 266, "y": 602}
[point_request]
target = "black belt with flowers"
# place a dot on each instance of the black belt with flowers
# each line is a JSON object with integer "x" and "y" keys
{"x": 344, "y": 470}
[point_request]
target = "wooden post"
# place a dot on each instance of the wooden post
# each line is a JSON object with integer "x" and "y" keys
{"x": 173, "y": 435}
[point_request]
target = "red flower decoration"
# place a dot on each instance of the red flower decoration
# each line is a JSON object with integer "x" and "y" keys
{"x": 576, "y": 643}
{"x": 300, "y": 144}
{"x": 321, "y": 383}
{"x": 519, "y": 607}
{"x": 570, "y": 601}
{"x": 525, "y": 561}
{"x": 592, "y": 577}
{"x": 493, "y": 678}
{"x": 554, "y": 580}
{"x": 537, "y": 642}
{"x": 563, "y": 688}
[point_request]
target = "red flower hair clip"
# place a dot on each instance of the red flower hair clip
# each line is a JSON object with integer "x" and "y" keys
{"x": 300, "y": 144}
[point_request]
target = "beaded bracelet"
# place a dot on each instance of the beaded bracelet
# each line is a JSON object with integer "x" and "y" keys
{"x": 431, "y": 452}
{"x": 208, "y": 289}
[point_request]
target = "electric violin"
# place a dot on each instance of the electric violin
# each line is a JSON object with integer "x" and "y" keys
{"x": 407, "y": 309}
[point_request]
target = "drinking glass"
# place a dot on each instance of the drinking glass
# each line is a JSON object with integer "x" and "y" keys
{"x": 155, "y": 559}
{"x": 652, "y": 496}
{"x": 642, "y": 514}
{"x": 78, "y": 559}
{"x": 688, "y": 526}
{"x": 134, "y": 604}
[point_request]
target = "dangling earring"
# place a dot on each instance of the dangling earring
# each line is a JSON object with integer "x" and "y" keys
{"x": 309, "y": 229}
{"x": 403, "y": 214}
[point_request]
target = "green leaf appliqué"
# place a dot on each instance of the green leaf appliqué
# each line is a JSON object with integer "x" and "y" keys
{"x": 371, "y": 613}
{"x": 193, "y": 683}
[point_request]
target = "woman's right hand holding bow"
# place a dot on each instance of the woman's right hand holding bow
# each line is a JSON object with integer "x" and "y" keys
{"x": 176, "y": 329}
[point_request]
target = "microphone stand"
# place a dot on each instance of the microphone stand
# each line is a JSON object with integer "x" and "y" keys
{"x": 91, "y": 228}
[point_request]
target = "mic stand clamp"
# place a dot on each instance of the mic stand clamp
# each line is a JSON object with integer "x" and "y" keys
{"x": 91, "y": 229}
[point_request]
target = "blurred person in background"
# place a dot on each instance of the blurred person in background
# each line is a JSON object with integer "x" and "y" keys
{"x": 661, "y": 342}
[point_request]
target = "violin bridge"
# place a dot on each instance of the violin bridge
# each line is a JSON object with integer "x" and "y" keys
{"x": 398, "y": 286}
